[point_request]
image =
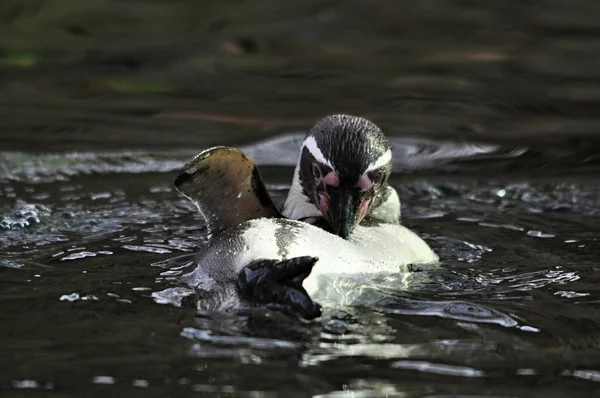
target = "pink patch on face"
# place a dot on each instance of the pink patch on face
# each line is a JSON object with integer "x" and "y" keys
{"x": 324, "y": 203}
{"x": 331, "y": 179}
{"x": 364, "y": 207}
{"x": 364, "y": 182}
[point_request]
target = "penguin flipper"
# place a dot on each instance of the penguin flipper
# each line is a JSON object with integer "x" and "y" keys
{"x": 226, "y": 186}
{"x": 278, "y": 285}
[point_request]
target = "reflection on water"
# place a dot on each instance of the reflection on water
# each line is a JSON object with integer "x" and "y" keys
{"x": 492, "y": 110}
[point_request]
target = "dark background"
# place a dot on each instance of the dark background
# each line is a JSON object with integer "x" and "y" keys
{"x": 100, "y": 74}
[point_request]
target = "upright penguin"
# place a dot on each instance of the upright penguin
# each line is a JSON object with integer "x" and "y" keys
{"x": 257, "y": 256}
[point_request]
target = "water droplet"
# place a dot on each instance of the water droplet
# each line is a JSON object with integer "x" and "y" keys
{"x": 570, "y": 294}
{"x": 539, "y": 234}
{"x": 526, "y": 372}
{"x": 69, "y": 297}
{"x": 79, "y": 255}
{"x": 101, "y": 195}
{"x": 140, "y": 383}
{"x": 103, "y": 380}
{"x": 76, "y": 296}
{"x": 526, "y": 328}
{"x": 22, "y": 384}
{"x": 147, "y": 249}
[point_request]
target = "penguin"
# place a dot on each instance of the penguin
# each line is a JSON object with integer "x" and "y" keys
{"x": 340, "y": 218}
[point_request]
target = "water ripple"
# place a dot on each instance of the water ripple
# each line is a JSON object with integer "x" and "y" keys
{"x": 437, "y": 368}
{"x": 461, "y": 311}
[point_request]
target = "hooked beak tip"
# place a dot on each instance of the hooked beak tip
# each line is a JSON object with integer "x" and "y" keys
{"x": 345, "y": 231}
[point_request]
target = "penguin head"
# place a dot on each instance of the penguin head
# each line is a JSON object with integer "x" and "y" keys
{"x": 345, "y": 162}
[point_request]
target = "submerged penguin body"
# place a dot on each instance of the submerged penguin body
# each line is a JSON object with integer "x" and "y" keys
{"x": 279, "y": 239}
{"x": 257, "y": 256}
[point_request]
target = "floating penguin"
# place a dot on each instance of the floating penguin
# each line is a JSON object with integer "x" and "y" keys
{"x": 258, "y": 255}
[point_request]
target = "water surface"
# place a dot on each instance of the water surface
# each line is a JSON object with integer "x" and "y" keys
{"x": 493, "y": 114}
{"x": 92, "y": 300}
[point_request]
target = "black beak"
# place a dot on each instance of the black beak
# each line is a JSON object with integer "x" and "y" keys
{"x": 343, "y": 211}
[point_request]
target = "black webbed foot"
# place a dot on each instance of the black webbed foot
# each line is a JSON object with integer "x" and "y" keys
{"x": 278, "y": 285}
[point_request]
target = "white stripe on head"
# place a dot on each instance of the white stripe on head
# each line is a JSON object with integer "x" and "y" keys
{"x": 311, "y": 145}
{"x": 381, "y": 161}
{"x": 297, "y": 205}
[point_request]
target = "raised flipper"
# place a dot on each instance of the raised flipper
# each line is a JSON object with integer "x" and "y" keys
{"x": 278, "y": 285}
{"x": 227, "y": 188}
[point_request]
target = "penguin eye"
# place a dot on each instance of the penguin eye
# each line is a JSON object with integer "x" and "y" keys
{"x": 317, "y": 171}
{"x": 378, "y": 177}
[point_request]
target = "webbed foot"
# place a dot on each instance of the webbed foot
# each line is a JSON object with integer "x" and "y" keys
{"x": 278, "y": 285}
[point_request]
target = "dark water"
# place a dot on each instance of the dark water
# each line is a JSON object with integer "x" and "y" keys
{"x": 492, "y": 110}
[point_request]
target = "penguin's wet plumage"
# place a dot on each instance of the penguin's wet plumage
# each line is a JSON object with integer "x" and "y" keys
{"x": 255, "y": 256}
{"x": 227, "y": 188}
